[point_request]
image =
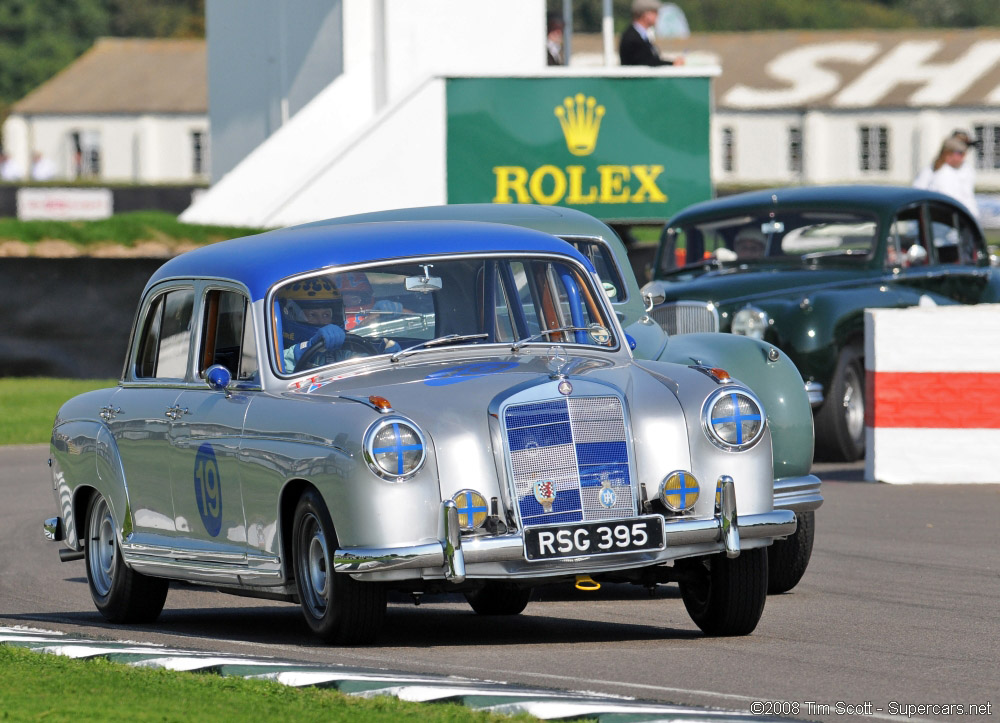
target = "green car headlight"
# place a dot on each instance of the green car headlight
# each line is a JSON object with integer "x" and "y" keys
{"x": 750, "y": 321}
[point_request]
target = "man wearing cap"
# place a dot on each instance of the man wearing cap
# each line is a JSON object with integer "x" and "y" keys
{"x": 636, "y": 46}
{"x": 950, "y": 175}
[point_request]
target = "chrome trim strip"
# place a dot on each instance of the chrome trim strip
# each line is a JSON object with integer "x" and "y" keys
{"x": 799, "y": 494}
{"x": 203, "y": 571}
{"x": 677, "y": 532}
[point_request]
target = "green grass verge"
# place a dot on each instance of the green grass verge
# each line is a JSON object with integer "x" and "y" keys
{"x": 125, "y": 229}
{"x": 28, "y": 405}
{"x": 42, "y": 686}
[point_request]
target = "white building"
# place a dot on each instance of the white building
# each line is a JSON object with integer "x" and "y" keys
{"x": 822, "y": 107}
{"x": 363, "y": 130}
{"x": 128, "y": 110}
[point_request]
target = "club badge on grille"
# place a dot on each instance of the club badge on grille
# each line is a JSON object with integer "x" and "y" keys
{"x": 545, "y": 493}
{"x": 608, "y": 495}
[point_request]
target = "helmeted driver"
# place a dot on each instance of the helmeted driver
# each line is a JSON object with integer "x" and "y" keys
{"x": 312, "y": 311}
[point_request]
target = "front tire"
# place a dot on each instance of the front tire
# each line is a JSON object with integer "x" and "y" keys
{"x": 788, "y": 559}
{"x": 120, "y": 594}
{"x": 726, "y": 596}
{"x": 338, "y": 608}
{"x": 499, "y": 598}
{"x": 840, "y": 422}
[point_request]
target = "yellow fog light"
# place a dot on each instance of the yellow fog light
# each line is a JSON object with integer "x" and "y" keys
{"x": 679, "y": 491}
{"x": 472, "y": 509}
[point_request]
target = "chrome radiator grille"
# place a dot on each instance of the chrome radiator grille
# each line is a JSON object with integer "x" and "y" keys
{"x": 686, "y": 317}
{"x": 569, "y": 460}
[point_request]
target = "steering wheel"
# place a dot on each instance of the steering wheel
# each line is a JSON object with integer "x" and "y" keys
{"x": 353, "y": 346}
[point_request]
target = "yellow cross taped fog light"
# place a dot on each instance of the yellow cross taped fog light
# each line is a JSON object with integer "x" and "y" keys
{"x": 472, "y": 509}
{"x": 679, "y": 491}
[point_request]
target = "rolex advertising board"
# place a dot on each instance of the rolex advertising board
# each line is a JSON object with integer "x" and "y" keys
{"x": 619, "y": 148}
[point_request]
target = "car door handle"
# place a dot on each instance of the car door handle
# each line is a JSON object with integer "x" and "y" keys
{"x": 176, "y": 412}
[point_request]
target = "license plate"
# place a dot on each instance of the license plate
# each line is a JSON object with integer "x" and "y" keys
{"x": 593, "y": 538}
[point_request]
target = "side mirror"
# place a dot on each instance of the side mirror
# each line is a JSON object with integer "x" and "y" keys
{"x": 653, "y": 294}
{"x": 916, "y": 255}
{"x": 219, "y": 378}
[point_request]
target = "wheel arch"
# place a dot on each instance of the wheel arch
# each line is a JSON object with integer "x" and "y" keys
{"x": 288, "y": 500}
{"x": 85, "y": 462}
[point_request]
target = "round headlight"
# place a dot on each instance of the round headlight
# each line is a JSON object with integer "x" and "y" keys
{"x": 734, "y": 419}
{"x": 472, "y": 509}
{"x": 679, "y": 491}
{"x": 394, "y": 448}
{"x": 750, "y": 321}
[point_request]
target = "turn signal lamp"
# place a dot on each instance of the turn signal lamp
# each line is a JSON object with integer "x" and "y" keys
{"x": 380, "y": 403}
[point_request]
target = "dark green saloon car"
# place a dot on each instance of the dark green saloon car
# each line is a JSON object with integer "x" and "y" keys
{"x": 797, "y": 267}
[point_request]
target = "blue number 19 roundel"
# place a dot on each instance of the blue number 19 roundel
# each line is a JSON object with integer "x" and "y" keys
{"x": 208, "y": 489}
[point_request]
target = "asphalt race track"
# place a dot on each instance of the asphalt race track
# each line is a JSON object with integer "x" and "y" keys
{"x": 900, "y": 607}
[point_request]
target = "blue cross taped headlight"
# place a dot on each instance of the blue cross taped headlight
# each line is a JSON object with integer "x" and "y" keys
{"x": 734, "y": 419}
{"x": 679, "y": 491}
{"x": 472, "y": 509}
{"x": 394, "y": 448}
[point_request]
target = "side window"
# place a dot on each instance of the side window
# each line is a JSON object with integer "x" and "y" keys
{"x": 603, "y": 260}
{"x": 971, "y": 247}
{"x": 904, "y": 234}
{"x": 166, "y": 336}
{"x": 945, "y": 235}
{"x": 227, "y": 335}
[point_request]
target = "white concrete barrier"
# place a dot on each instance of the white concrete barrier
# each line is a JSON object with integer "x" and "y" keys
{"x": 932, "y": 394}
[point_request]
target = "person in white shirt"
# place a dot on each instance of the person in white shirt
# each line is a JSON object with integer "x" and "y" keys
{"x": 10, "y": 170}
{"x": 42, "y": 169}
{"x": 951, "y": 174}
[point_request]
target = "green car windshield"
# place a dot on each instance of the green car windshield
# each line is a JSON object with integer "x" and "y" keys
{"x": 798, "y": 236}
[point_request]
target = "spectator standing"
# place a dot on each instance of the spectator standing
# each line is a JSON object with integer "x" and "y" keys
{"x": 42, "y": 169}
{"x": 637, "y": 45}
{"x": 10, "y": 170}
{"x": 554, "y": 39}
{"x": 950, "y": 174}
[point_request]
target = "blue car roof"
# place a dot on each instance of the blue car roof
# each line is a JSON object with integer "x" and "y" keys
{"x": 261, "y": 260}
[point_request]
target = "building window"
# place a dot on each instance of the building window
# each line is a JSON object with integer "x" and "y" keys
{"x": 727, "y": 149}
{"x": 874, "y": 150}
{"x": 795, "y": 149}
{"x": 988, "y": 150}
{"x": 198, "y": 165}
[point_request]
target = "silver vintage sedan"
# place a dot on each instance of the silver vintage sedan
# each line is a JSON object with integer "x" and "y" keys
{"x": 325, "y": 414}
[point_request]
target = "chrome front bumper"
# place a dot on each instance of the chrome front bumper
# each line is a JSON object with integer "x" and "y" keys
{"x": 451, "y": 554}
{"x": 799, "y": 494}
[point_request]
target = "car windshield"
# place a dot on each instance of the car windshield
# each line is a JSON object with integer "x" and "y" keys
{"x": 811, "y": 237}
{"x": 327, "y": 317}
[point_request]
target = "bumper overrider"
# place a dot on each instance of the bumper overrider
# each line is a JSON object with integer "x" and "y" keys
{"x": 503, "y": 555}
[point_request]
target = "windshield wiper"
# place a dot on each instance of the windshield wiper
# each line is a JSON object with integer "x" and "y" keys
{"x": 516, "y": 346}
{"x": 439, "y": 341}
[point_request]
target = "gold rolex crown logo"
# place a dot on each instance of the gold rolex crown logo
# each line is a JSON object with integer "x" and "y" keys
{"x": 580, "y": 118}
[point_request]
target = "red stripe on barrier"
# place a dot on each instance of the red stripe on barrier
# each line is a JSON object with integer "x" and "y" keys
{"x": 944, "y": 400}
